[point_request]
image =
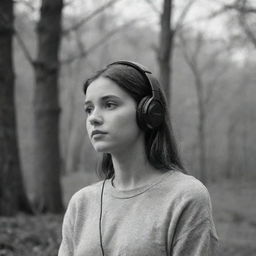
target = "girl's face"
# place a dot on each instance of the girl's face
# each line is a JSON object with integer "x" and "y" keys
{"x": 111, "y": 117}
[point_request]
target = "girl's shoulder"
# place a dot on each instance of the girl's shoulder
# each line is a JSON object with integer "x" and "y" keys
{"x": 184, "y": 185}
{"x": 88, "y": 191}
{"x": 82, "y": 201}
{"x": 85, "y": 195}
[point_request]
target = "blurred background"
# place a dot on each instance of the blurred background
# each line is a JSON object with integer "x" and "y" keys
{"x": 202, "y": 51}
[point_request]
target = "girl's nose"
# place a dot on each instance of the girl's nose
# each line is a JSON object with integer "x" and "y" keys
{"x": 95, "y": 118}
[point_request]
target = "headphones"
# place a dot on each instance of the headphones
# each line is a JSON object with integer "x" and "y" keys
{"x": 150, "y": 110}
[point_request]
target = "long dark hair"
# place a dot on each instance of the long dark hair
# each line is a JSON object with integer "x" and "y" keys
{"x": 160, "y": 145}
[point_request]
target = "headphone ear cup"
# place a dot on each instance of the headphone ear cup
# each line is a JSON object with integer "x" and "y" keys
{"x": 141, "y": 113}
{"x": 150, "y": 113}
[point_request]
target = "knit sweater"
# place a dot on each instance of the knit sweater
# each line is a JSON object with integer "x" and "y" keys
{"x": 171, "y": 216}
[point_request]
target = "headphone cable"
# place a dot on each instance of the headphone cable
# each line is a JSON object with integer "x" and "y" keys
{"x": 100, "y": 220}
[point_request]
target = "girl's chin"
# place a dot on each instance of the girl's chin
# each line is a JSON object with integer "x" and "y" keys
{"x": 108, "y": 148}
{"x": 101, "y": 149}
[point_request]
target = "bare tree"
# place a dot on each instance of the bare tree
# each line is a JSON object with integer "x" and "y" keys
{"x": 205, "y": 86}
{"x": 46, "y": 107}
{"x": 241, "y": 126}
{"x": 12, "y": 192}
{"x": 166, "y": 42}
{"x": 243, "y": 12}
{"x": 247, "y": 19}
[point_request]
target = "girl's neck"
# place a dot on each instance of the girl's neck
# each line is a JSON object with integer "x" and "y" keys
{"x": 133, "y": 169}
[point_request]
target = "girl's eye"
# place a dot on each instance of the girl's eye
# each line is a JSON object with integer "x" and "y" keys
{"x": 110, "y": 105}
{"x": 88, "y": 110}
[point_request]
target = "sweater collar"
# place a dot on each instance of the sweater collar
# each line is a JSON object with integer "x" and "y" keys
{"x": 125, "y": 194}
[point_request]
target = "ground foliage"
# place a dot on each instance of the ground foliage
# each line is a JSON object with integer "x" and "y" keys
{"x": 30, "y": 235}
{"x": 233, "y": 208}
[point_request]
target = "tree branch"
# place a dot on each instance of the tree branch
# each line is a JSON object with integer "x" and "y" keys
{"x": 182, "y": 16}
{"x": 67, "y": 4}
{"x": 242, "y": 7}
{"x": 89, "y": 17}
{"x": 246, "y": 28}
{"x": 248, "y": 32}
{"x": 154, "y": 8}
{"x": 19, "y": 39}
{"x": 236, "y": 6}
{"x": 27, "y": 4}
{"x": 85, "y": 53}
{"x": 212, "y": 85}
{"x": 191, "y": 59}
{"x": 23, "y": 47}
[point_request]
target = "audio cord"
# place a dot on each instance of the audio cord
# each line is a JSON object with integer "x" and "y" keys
{"x": 100, "y": 220}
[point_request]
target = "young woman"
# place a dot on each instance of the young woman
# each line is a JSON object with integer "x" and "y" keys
{"x": 146, "y": 205}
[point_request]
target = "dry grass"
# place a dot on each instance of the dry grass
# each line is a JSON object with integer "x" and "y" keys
{"x": 234, "y": 212}
{"x": 235, "y": 216}
{"x": 30, "y": 235}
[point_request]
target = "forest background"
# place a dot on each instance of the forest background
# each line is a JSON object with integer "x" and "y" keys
{"x": 202, "y": 51}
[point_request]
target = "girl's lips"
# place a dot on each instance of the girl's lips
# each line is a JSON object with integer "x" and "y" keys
{"x": 97, "y": 132}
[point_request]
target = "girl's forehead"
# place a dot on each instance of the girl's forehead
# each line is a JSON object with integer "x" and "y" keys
{"x": 102, "y": 87}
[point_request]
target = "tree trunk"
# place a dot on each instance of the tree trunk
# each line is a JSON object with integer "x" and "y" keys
{"x": 47, "y": 152}
{"x": 230, "y": 149}
{"x": 165, "y": 49}
{"x": 202, "y": 143}
{"x": 201, "y": 126}
{"x": 12, "y": 192}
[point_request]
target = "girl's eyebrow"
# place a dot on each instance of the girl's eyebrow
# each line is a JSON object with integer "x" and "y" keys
{"x": 110, "y": 97}
{"x": 106, "y": 97}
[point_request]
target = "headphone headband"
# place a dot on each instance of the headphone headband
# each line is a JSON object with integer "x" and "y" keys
{"x": 147, "y": 74}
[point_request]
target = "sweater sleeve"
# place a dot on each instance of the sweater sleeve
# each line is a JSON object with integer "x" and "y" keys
{"x": 66, "y": 246}
{"x": 195, "y": 233}
{"x": 199, "y": 241}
